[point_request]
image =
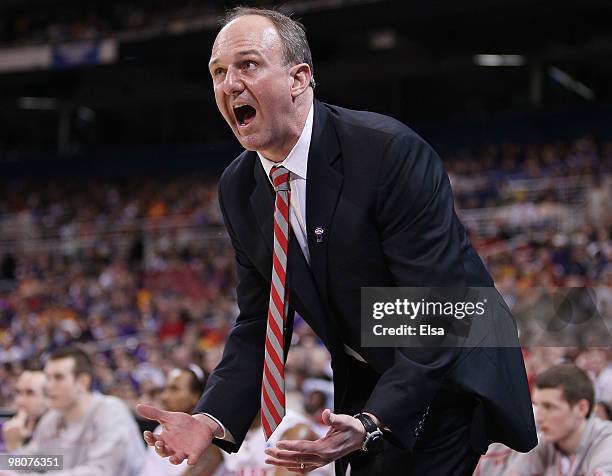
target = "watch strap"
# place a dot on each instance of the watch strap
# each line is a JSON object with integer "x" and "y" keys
{"x": 367, "y": 422}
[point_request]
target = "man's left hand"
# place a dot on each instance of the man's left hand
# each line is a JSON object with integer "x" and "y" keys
{"x": 345, "y": 435}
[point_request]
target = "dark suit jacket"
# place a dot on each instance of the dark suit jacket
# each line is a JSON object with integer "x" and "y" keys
{"x": 384, "y": 200}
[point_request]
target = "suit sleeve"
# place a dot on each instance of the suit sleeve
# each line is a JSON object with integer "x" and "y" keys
{"x": 233, "y": 391}
{"x": 419, "y": 239}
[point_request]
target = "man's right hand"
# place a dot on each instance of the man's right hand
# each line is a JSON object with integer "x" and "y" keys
{"x": 183, "y": 436}
{"x": 16, "y": 430}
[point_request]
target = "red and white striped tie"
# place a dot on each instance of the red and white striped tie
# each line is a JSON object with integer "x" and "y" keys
{"x": 273, "y": 383}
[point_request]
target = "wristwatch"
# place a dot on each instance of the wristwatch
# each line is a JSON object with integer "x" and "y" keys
{"x": 373, "y": 441}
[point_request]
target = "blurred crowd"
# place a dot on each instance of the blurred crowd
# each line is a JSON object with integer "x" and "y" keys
{"x": 92, "y": 20}
{"x": 89, "y": 21}
{"x": 139, "y": 272}
{"x": 80, "y": 207}
{"x": 487, "y": 177}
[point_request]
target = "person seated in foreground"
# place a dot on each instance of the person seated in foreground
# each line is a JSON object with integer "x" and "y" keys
{"x": 96, "y": 434}
{"x": 573, "y": 440}
{"x": 30, "y": 404}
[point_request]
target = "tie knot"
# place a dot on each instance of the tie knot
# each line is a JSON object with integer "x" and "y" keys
{"x": 280, "y": 178}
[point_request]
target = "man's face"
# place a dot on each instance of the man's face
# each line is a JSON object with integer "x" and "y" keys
{"x": 30, "y": 393}
{"x": 315, "y": 402}
{"x": 251, "y": 83}
{"x": 63, "y": 388}
{"x": 555, "y": 417}
{"x": 177, "y": 395}
{"x": 595, "y": 360}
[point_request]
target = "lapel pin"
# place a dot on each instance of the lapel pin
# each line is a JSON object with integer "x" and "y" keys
{"x": 319, "y": 232}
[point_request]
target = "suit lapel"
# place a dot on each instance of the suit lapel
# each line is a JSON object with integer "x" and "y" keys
{"x": 262, "y": 202}
{"x": 305, "y": 297}
{"x": 323, "y": 185}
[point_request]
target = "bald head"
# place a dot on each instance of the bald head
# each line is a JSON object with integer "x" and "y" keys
{"x": 256, "y": 27}
{"x": 248, "y": 33}
{"x": 262, "y": 96}
{"x": 295, "y": 48}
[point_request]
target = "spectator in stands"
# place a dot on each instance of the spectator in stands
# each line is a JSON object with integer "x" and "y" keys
{"x": 315, "y": 402}
{"x": 182, "y": 391}
{"x": 317, "y": 395}
{"x": 603, "y": 411}
{"x": 96, "y": 434}
{"x": 31, "y": 404}
{"x": 598, "y": 200}
{"x": 596, "y": 364}
{"x": 574, "y": 442}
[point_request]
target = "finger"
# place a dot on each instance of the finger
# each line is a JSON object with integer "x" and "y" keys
{"x": 291, "y": 466}
{"x": 164, "y": 453}
{"x": 151, "y": 413}
{"x": 326, "y": 417}
{"x": 193, "y": 458}
{"x": 296, "y": 457}
{"x": 177, "y": 458}
{"x": 336, "y": 420}
{"x": 162, "y": 450}
{"x": 150, "y": 438}
{"x": 302, "y": 446}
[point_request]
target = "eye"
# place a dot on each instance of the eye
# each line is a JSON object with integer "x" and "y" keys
{"x": 248, "y": 64}
{"x": 218, "y": 71}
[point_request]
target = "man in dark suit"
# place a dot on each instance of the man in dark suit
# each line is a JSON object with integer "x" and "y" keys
{"x": 370, "y": 205}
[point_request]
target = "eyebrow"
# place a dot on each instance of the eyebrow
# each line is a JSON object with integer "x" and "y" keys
{"x": 241, "y": 53}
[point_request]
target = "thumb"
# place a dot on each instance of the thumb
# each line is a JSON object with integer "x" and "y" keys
{"x": 328, "y": 417}
{"x": 151, "y": 413}
{"x": 21, "y": 416}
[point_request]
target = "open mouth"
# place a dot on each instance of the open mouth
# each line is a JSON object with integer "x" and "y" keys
{"x": 244, "y": 114}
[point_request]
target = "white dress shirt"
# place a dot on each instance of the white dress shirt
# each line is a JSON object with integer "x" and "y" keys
{"x": 297, "y": 164}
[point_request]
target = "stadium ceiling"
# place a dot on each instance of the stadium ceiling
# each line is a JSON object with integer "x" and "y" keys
{"x": 414, "y": 60}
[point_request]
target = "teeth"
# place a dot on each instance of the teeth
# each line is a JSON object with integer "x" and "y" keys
{"x": 240, "y": 118}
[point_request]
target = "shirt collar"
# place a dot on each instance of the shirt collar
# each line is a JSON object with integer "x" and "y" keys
{"x": 297, "y": 160}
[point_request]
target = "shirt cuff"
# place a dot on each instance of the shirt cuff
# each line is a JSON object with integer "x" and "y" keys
{"x": 227, "y": 435}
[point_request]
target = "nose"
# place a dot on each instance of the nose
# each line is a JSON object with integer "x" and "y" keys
{"x": 232, "y": 83}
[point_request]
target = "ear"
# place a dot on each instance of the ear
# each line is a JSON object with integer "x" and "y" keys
{"x": 84, "y": 381}
{"x": 583, "y": 407}
{"x": 300, "y": 78}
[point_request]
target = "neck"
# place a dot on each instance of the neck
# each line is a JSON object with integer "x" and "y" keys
{"x": 569, "y": 444}
{"x": 78, "y": 409}
{"x": 295, "y": 126}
